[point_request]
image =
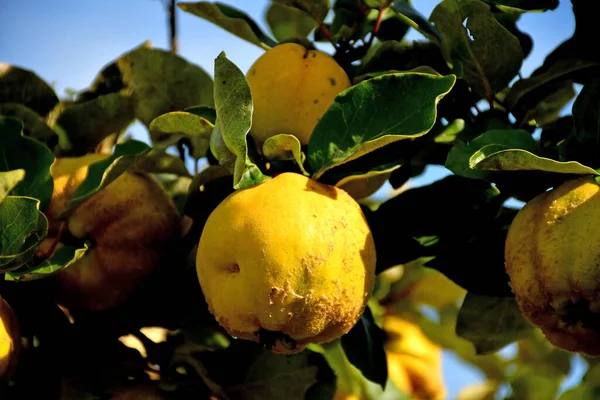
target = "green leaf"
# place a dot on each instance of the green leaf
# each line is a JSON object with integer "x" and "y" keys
{"x": 534, "y": 382}
{"x": 586, "y": 114}
{"x": 20, "y": 152}
{"x": 208, "y": 113}
{"x": 361, "y": 184}
{"x": 284, "y": 147}
{"x": 525, "y": 94}
{"x": 459, "y": 157}
{"x": 208, "y": 175}
{"x": 273, "y": 377}
{"x": 34, "y": 125}
{"x": 451, "y": 131}
{"x": 220, "y": 151}
{"x": 416, "y": 20}
{"x": 62, "y": 258}
{"x": 363, "y": 346}
{"x": 288, "y": 23}
{"x": 526, "y": 4}
{"x": 490, "y": 323}
{"x": 159, "y": 162}
{"x": 162, "y": 82}
{"x": 490, "y": 55}
{"x": 18, "y": 85}
{"x": 127, "y": 155}
{"x": 8, "y": 181}
{"x": 234, "y": 117}
{"x": 22, "y": 228}
{"x": 158, "y": 82}
{"x": 437, "y": 210}
{"x": 230, "y": 19}
{"x": 170, "y": 128}
{"x": 576, "y": 49}
{"x": 391, "y": 56}
{"x": 500, "y": 158}
{"x": 393, "y": 25}
{"x": 374, "y": 113}
{"x": 317, "y": 9}
{"x": 549, "y": 108}
{"x": 89, "y": 122}
{"x": 369, "y": 75}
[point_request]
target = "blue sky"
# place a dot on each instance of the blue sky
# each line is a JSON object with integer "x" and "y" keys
{"x": 67, "y": 42}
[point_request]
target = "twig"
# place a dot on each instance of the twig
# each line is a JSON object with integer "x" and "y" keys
{"x": 326, "y": 33}
{"x": 376, "y": 27}
{"x": 172, "y": 10}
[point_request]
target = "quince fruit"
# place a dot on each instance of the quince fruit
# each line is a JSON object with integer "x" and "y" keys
{"x": 292, "y": 87}
{"x": 414, "y": 361}
{"x": 552, "y": 259}
{"x": 287, "y": 262}
{"x": 131, "y": 223}
{"x": 10, "y": 341}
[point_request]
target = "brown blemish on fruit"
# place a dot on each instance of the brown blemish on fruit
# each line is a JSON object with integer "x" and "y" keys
{"x": 233, "y": 268}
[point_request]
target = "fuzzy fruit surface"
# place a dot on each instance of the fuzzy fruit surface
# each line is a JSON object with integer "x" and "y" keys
{"x": 10, "y": 341}
{"x": 414, "y": 361}
{"x": 552, "y": 255}
{"x": 131, "y": 223}
{"x": 292, "y": 87}
{"x": 291, "y": 256}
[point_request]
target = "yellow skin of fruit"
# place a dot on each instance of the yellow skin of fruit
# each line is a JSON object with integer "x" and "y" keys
{"x": 292, "y": 87}
{"x": 436, "y": 290}
{"x": 131, "y": 222}
{"x": 290, "y": 255}
{"x": 414, "y": 361}
{"x": 10, "y": 341}
{"x": 552, "y": 256}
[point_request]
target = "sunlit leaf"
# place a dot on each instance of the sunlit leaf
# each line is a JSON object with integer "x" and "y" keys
{"x": 230, "y": 19}
{"x": 490, "y": 55}
{"x": 170, "y": 128}
{"x": 374, "y": 113}
{"x": 62, "y": 258}
{"x": 233, "y": 103}
{"x": 22, "y": 228}
{"x": 8, "y": 181}
{"x": 126, "y": 156}
{"x": 284, "y": 147}
{"x": 288, "y": 22}
{"x": 21, "y": 152}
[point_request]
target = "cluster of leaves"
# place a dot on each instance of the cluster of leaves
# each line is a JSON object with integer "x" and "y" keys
{"x": 455, "y": 99}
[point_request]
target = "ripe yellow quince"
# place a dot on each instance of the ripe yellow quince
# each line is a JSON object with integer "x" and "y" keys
{"x": 292, "y": 87}
{"x": 10, "y": 341}
{"x": 414, "y": 361}
{"x": 131, "y": 223}
{"x": 290, "y": 259}
{"x": 552, "y": 257}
